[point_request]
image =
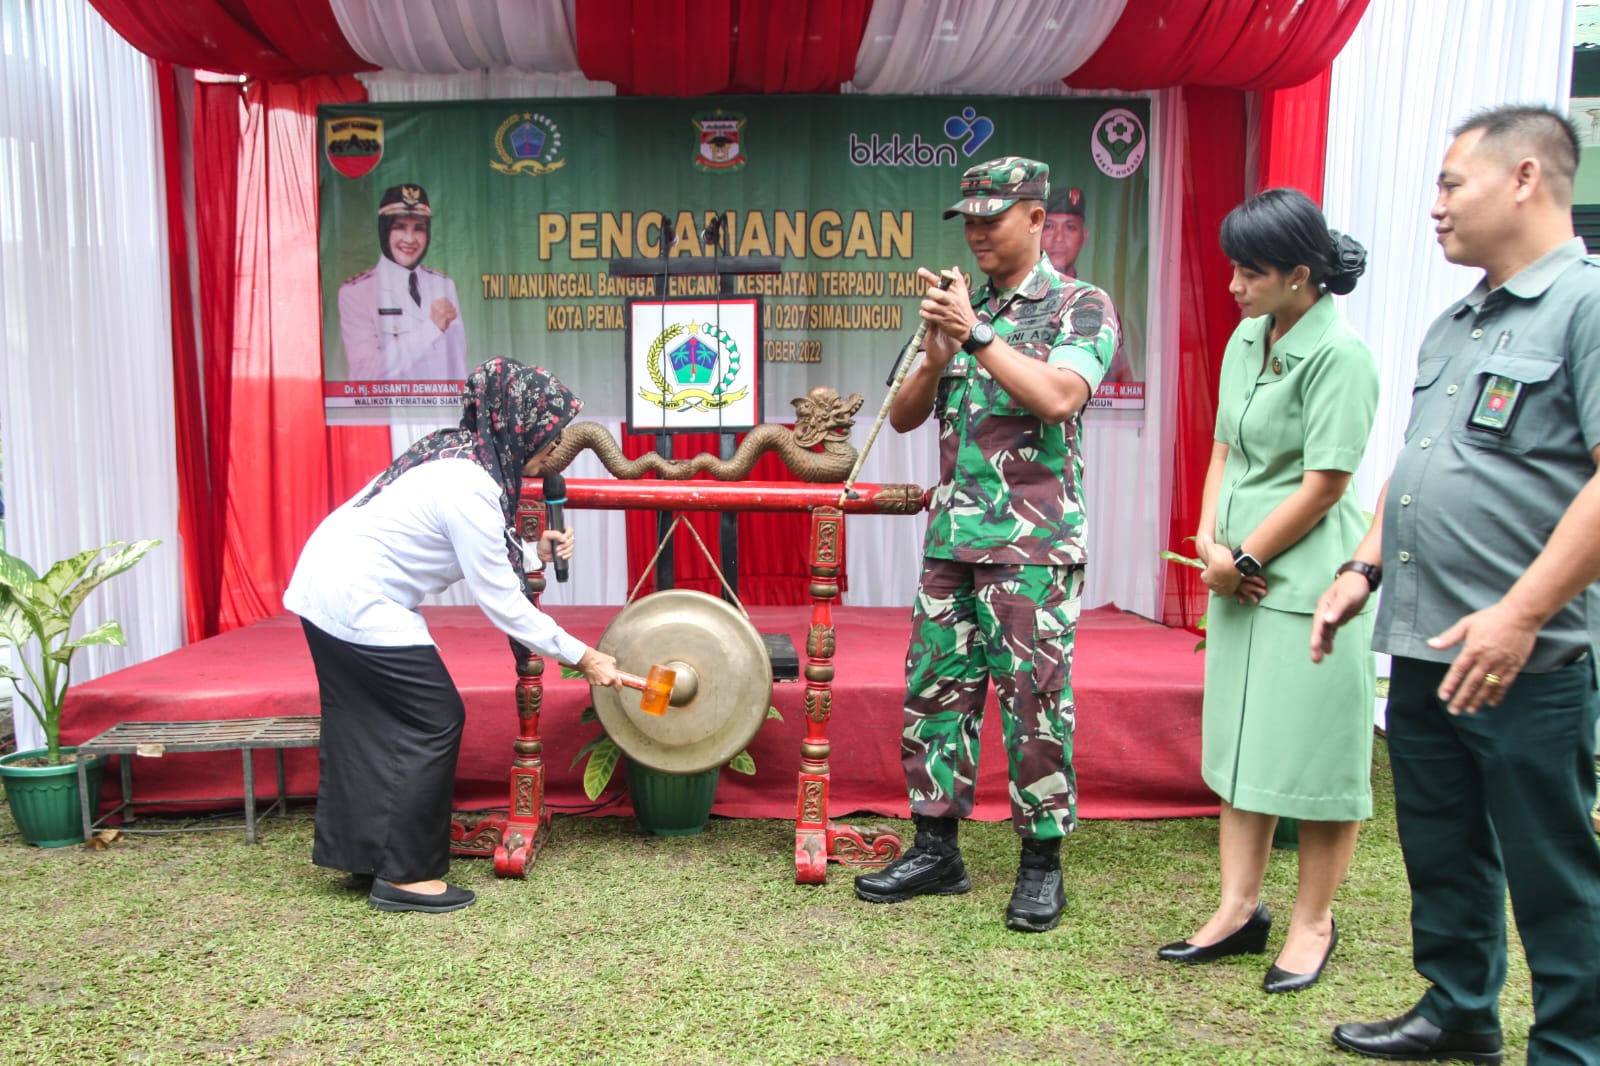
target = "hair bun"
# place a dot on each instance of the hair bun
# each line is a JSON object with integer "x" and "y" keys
{"x": 1349, "y": 263}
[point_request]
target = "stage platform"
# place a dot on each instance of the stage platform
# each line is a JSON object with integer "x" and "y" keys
{"x": 1138, "y": 689}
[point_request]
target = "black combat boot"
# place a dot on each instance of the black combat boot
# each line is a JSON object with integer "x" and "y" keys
{"x": 932, "y": 866}
{"x": 1037, "y": 900}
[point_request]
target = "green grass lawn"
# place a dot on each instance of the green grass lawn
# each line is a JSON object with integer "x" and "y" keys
{"x": 628, "y": 949}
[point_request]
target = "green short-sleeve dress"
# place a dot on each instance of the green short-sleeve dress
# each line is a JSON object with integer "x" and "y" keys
{"x": 1282, "y": 735}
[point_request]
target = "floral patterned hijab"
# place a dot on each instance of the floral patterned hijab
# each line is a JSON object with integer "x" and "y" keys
{"x": 508, "y": 413}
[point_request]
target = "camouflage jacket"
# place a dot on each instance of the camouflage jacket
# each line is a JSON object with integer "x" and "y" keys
{"x": 1010, "y": 485}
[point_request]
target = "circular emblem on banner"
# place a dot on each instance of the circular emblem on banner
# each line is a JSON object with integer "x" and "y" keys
{"x": 527, "y": 143}
{"x": 1118, "y": 143}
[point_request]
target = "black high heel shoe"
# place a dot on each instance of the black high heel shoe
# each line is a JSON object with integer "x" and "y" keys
{"x": 1249, "y": 939}
{"x": 1280, "y": 980}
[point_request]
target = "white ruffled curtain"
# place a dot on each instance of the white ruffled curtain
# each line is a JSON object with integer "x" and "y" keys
{"x": 1388, "y": 130}
{"x": 1129, "y": 459}
{"x": 86, "y": 351}
{"x": 989, "y": 46}
{"x": 1387, "y": 134}
{"x": 450, "y": 36}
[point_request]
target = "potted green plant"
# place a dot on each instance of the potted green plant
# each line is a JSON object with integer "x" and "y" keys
{"x": 41, "y": 784}
{"x": 665, "y": 804}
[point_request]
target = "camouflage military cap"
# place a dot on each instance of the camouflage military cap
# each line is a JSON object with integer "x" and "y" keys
{"x": 989, "y": 188}
{"x": 1066, "y": 202}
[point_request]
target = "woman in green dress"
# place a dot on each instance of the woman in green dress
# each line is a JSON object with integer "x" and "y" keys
{"x": 1283, "y": 737}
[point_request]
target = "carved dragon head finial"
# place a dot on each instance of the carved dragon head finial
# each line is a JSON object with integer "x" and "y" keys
{"x": 821, "y": 415}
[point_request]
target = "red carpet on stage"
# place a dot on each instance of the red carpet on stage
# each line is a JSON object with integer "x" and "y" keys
{"x": 1137, "y": 684}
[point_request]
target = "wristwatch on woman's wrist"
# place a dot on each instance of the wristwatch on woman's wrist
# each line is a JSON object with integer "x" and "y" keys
{"x": 1245, "y": 563}
{"x": 1372, "y": 572}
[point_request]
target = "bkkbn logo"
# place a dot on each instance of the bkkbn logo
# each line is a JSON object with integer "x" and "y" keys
{"x": 970, "y": 129}
{"x": 894, "y": 152}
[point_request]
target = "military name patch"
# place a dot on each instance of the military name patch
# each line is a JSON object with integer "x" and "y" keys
{"x": 1042, "y": 335}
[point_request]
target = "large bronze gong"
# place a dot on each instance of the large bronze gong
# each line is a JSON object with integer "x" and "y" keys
{"x": 722, "y": 690}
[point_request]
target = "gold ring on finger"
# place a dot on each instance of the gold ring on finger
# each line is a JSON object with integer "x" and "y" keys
{"x": 1493, "y": 680}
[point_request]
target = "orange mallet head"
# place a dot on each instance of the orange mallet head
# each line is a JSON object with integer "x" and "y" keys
{"x": 657, "y": 688}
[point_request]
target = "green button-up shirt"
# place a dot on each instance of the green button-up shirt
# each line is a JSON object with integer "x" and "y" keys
{"x": 1505, "y": 413}
{"x": 1307, "y": 404}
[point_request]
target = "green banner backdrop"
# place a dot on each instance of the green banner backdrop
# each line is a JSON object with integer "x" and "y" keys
{"x": 530, "y": 201}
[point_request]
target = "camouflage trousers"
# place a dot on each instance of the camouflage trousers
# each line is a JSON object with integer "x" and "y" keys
{"x": 1015, "y": 624}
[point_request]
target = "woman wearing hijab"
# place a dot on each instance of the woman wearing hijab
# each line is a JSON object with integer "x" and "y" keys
{"x": 400, "y": 320}
{"x": 443, "y": 511}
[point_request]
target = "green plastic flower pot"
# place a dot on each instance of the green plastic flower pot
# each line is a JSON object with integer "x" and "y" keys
{"x": 44, "y": 799}
{"x": 671, "y": 805}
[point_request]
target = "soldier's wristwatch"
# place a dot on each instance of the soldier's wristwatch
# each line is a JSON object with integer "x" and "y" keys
{"x": 982, "y": 336}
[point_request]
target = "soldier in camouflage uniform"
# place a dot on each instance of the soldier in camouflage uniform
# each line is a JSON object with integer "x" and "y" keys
{"x": 1007, "y": 370}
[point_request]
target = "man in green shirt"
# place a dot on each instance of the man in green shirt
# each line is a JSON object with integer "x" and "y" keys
{"x": 1487, "y": 542}
{"x": 1007, "y": 371}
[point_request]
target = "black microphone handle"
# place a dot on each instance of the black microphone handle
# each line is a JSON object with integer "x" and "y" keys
{"x": 558, "y": 523}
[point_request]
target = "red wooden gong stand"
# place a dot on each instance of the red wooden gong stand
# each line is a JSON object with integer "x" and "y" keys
{"x": 514, "y": 838}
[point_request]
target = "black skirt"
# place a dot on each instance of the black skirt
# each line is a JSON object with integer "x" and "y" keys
{"x": 391, "y": 734}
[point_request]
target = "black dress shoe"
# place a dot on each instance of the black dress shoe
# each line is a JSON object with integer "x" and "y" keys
{"x": 386, "y": 897}
{"x": 931, "y": 867}
{"x": 1280, "y": 980}
{"x": 1038, "y": 897}
{"x": 1413, "y": 1038}
{"x": 1249, "y": 939}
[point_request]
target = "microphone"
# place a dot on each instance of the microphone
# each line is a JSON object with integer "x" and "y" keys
{"x": 555, "y": 500}
{"x": 713, "y": 232}
{"x": 669, "y": 236}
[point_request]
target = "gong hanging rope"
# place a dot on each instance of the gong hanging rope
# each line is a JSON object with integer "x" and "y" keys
{"x": 651, "y": 565}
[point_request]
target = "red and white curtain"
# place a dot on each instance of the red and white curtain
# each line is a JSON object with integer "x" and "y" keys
{"x": 700, "y": 47}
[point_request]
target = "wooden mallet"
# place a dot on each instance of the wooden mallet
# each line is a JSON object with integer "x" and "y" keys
{"x": 657, "y": 688}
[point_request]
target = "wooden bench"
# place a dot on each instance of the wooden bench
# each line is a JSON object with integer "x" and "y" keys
{"x": 157, "y": 739}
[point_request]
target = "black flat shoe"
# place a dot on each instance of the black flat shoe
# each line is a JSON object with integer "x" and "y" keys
{"x": 1249, "y": 939}
{"x": 1413, "y": 1038}
{"x": 386, "y": 897}
{"x": 1280, "y": 980}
